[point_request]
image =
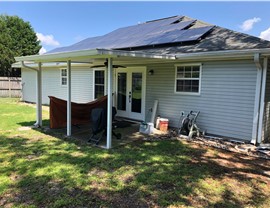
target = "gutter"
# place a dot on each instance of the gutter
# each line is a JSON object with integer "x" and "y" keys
{"x": 34, "y": 65}
{"x": 232, "y": 54}
{"x": 262, "y": 101}
{"x": 28, "y": 67}
{"x": 87, "y": 54}
{"x": 56, "y": 56}
{"x": 257, "y": 130}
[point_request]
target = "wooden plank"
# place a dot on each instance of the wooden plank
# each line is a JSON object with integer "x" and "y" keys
{"x": 10, "y": 87}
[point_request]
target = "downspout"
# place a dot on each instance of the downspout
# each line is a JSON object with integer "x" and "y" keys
{"x": 262, "y": 101}
{"x": 38, "y": 93}
{"x": 257, "y": 99}
{"x": 28, "y": 67}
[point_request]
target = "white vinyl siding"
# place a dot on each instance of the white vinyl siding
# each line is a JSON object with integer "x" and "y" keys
{"x": 226, "y": 100}
{"x": 81, "y": 85}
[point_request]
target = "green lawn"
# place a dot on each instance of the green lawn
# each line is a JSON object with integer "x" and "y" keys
{"x": 39, "y": 170}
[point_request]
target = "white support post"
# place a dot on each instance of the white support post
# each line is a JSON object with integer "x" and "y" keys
{"x": 262, "y": 99}
{"x": 106, "y": 81}
{"x": 114, "y": 87}
{"x": 39, "y": 97}
{"x": 68, "y": 98}
{"x": 109, "y": 104}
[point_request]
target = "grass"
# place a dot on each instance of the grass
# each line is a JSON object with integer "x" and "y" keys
{"x": 40, "y": 170}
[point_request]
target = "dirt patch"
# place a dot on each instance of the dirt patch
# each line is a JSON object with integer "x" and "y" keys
{"x": 25, "y": 128}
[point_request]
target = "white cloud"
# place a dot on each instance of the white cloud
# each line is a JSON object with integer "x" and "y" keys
{"x": 248, "y": 24}
{"x": 42, "y": 51}
{"x": 47, "y": 39}
{"x": 265, "y": 34}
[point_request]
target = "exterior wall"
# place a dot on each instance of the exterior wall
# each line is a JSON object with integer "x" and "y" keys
{"x": 81, "y": 84}
{"x": 226, "y": 102}
{"x": 266, "y": 118}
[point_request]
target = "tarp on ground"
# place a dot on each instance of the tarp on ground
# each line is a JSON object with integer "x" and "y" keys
{"x": 80, "y": 112}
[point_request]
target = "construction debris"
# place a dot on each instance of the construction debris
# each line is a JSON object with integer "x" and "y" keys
{"x": 263, "y": 151}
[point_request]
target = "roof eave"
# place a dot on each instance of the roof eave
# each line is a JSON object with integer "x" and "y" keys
{"x": 225, "y": 54}
{"x": 95, "y": 53}
{"x": 58, "y": 56}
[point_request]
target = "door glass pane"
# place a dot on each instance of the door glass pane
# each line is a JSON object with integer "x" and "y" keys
{"x": 122, "y": 91}
{"x": 136, "y": 105}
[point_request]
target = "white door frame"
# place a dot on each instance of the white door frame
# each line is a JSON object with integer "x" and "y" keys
{"x": 129, "y": 71}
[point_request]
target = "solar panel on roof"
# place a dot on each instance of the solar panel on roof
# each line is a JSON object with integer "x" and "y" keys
{"x": 146, "y": 38}
{"x": 193, "y": 34}
{"x": 161, "y": 31}
{"x": 182, "y": 35}
{"x": 176, "y": 26}
{"x": 167, "y": 37}
{"x": 165, "y": 21}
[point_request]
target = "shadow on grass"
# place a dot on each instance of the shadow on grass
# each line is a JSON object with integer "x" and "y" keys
{"x": 53, "y": 172}
{"x": 45, "y": 122}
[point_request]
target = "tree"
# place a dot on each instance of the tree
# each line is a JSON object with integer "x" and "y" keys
{"x": 17, "y": 38}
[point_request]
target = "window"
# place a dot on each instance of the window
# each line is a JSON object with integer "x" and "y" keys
{"x": 188, "y": 79}
{"x": 63, "y": 77}
{"x": 99, "y": 83}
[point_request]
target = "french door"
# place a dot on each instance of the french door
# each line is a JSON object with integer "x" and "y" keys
{"x": 130, "y": 93}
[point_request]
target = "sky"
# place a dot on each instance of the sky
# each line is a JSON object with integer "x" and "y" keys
{"x": 63, "y": 23}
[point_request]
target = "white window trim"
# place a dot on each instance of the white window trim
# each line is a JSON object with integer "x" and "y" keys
{"x": 94, "y": 83}
{"x": 200, "y": 79}
{"x": 61, "y": 84}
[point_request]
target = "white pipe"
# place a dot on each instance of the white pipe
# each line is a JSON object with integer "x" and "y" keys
{"x": 109, "y": 105}
{"x": 68, "y": 98}
{"x": 154, "y": 111}
{"x": 38, "y": 122}
{"x": 257, "y": 99}
{"x": 262, "y": 100}
{"x": 39, "y": 96}
{"x": 28, "y": 67}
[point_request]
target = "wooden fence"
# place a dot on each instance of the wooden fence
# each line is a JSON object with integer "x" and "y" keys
{"x": 10, "y": 87}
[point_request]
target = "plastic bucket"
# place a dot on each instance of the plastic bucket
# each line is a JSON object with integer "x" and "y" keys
{"x": 147, "y": 128}
{"x": 163, "y": 124}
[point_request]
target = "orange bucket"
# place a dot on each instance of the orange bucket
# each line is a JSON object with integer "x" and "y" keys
{"x": 163, "y": 124}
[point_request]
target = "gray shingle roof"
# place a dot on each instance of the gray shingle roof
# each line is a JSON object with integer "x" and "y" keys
{"x": 218, "y": 40}
{"x": 178, "y": 34}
